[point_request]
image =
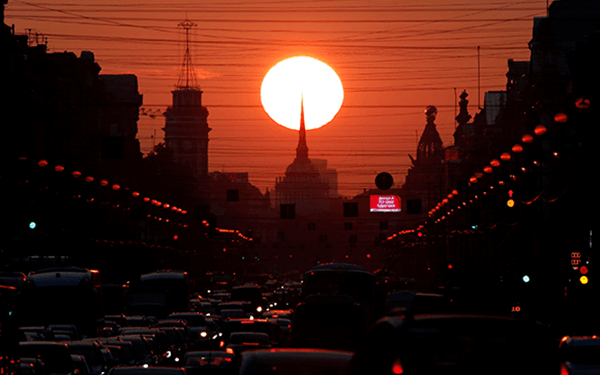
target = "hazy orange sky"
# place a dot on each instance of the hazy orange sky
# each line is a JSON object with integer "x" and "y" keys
{"x": 394, "y": 58}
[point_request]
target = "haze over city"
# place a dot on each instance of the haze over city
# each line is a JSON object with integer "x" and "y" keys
{"x": 394, "y": 59}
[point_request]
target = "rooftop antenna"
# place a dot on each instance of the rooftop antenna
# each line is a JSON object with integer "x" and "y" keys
{"x": 187, "y": 77}
{"x": 478, "y": 79}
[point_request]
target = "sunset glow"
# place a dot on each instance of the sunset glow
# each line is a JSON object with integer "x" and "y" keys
{"x": 302, "y": 77}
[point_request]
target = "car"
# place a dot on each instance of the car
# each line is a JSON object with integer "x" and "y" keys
{"x": 81, "y": 364}
{"x": 25, "y": 368}
{"x": 197, "y": 323}
{"x": 291, "y": 361}
{"x": 55, "y": 355}
{"x": 163, "y": 344}
{"x": 128, "y": 357}
{"x": 455, "y": 344}
{"x": 208, "y": 362}
{"x": 579, "y": 355}
{"x": 92, "y": 352}
{"x": 241, "y": 341}
{"x": 271, "y": 328}
{"x": 141, "y": 347}
{"x": 39, "y": 368}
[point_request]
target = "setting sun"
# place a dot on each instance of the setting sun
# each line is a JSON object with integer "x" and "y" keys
{"x": 302, "y": 77}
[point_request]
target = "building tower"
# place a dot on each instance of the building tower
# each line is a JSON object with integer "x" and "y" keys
{"x": 186, "y": 127}
{"x": 424, "y": 181}
{"x": 302, "y": 184}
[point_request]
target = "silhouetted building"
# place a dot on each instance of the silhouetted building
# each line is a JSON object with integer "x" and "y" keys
{"x": 330, "y": 174}
{"x": 120, "y": 147}
{"x": 302, "y": 185}
{"x": 186, "y": 127}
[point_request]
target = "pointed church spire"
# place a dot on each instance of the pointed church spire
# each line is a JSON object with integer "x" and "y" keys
{"x": 302, "y": 149}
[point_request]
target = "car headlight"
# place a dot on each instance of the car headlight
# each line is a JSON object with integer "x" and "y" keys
{"x": 203, "y": 334}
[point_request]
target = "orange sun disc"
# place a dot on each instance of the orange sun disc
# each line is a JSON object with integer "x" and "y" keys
{"x": 302, "y": 78}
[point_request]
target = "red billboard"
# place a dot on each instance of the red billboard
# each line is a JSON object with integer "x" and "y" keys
{"x": 385, "y": 203}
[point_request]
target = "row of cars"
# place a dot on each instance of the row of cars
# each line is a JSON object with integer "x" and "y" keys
{"x": 420, "y": 337}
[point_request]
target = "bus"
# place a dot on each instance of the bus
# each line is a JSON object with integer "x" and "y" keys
{"x": 159, "y": 294}
{"x": 340, "y": 279}
{"x": 62, "y": 295}
{"x": 337, "y": 308}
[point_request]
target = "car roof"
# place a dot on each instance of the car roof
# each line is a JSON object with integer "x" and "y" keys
{"x": 300, "y": 353}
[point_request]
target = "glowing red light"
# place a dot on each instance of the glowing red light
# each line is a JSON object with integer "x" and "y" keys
{"x": 43, "y": 163}
{"x": 103, "y": 183}
{"x": 89, "y": 179}
{"x": 505, "y": 156}
{"x": 527, "y": 138}
{"x": 582, "y": 103}
{"x": 76, "y": 174}
{"x": 561, "y": 118}
{"x": 583, "y": 270}
{"x": 517, "y": 148}
{"x": 397, "y": 367}
{"x": 59, "y": 168}
{"x": 116, "y": 187}
{"x": 540, "y": 130}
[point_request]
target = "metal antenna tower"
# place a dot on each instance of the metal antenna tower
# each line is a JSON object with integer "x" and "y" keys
{"x": 187, "y": 77}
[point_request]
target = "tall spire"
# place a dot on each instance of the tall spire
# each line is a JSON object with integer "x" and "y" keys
{"x": 302, "y": 149}
{"x": 187, "y": 77}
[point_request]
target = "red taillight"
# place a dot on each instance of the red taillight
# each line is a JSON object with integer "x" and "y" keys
{"x": 397, "y": 367}
{"x": 229, "y": 351}
{"x": 563, "y": 369}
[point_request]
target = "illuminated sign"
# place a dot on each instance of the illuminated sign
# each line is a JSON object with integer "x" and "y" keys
{"x": 385, "y": 203}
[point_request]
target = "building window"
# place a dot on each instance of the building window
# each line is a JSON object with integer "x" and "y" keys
{"x": 348, "y": 226}
{"x": 312, "y": 226}
{"x": 233, "y": 195}
{"x": 353, "y": 239}
{"x": 350, "y": 209}
{"x": 281, "y": 236}
{"x": 323, "y": 238}
{"x": 288, "y": 211}
{"x": 383, "y": 225}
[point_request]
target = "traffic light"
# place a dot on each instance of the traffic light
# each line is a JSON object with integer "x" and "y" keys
{"x": 583, "y": 278}
{"x": 512, "y": 209}
{"x": 510, "y": 202}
